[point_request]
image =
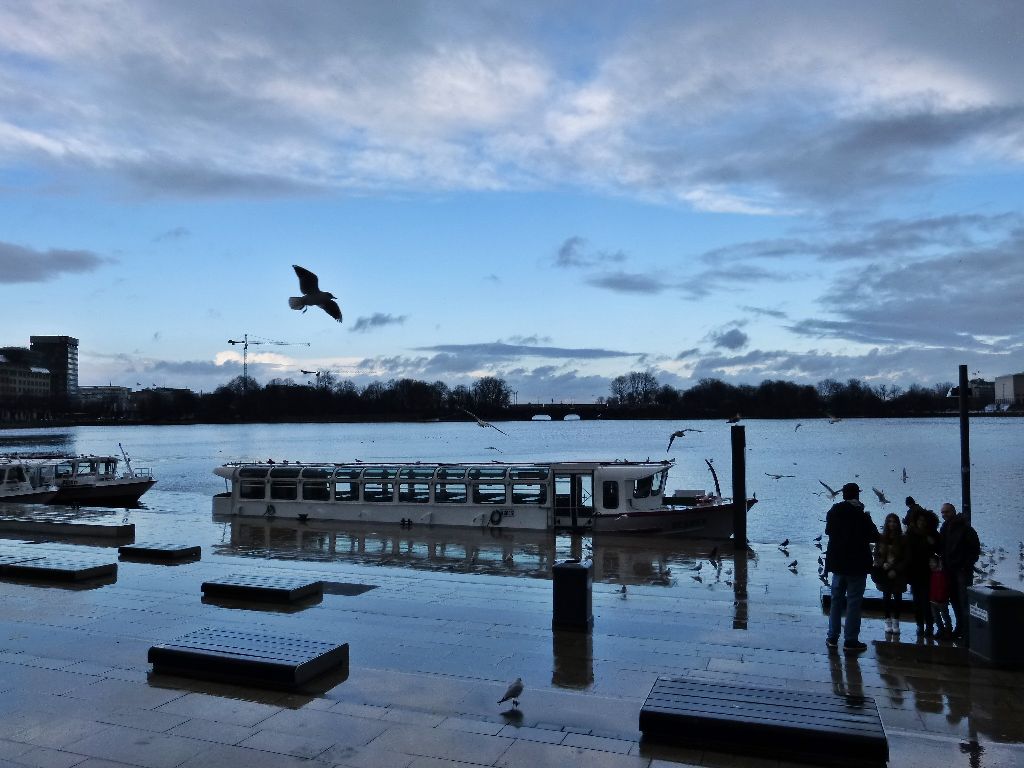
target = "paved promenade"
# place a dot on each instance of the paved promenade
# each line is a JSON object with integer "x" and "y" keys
{"x": 431, "y": 652}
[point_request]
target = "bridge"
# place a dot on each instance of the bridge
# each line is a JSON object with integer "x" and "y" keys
{"x": 556, "y": 411}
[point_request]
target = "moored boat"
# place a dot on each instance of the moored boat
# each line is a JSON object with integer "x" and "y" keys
{"x": 16, "y": 487}
{"x": 595, "y": 496}
{"x": 91, "y": 480}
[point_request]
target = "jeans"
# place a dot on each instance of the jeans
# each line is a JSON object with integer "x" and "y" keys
{"x": 847, "y": 595}
{"x": 959, "y": 580}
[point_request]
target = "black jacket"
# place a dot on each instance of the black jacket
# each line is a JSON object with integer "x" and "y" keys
{"x": 850, "y": 534}
{"x": 960, "y": 545}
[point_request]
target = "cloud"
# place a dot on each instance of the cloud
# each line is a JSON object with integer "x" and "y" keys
{"x": 627, "y": 282}
{"x": 733, "y": 339}
{"x": 175, "y": 233}
{"x": 375, "y": 321}
{"x": 19, "y": 264}
{"x": 502, "y": 351}
{"x": 776, "y": 313}
{"x": 573, "y": 254}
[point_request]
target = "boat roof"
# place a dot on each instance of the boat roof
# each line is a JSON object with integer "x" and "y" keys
{"x": 524, "y": 470}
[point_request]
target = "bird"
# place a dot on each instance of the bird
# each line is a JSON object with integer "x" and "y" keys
{"x": 777, "y": 477}
{"x": 797, "y": 427}
{"x": 904, "y": 474}
{"x": 833, "y": 419}
{"x": 818, "y": 537}
{"x": 784, "y": 544}
{"x": 831, "y": 491}
{"x": 481, "y": 423}
{"x": 312, "y": 296}
{"x": 881, "y": 496}
{"x": 792, "y": 565}
{"x": 698, "y": 566}
{"x": 679, "y": 433}
{"x": 622, "y": 590}
{"x": 734, "y": 420}
{"x": 303, "y": 370}
{"x": 515, "y": 690}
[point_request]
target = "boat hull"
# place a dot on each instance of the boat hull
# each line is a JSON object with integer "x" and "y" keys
{"x": 113, "y": 493}
{"x": 29, "y": 497}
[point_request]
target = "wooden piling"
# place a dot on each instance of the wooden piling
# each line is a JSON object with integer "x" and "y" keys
{"x": 965, "y": 446}
{"x": 739, "y": 488}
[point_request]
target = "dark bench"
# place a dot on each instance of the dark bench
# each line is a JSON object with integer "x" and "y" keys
{"x": 56, "y": 568}
{"x": 160, "y": 551}
{"x": 819, "y": 727}
{"x": 270, "y": 589}
{"x": 248, "y": 658}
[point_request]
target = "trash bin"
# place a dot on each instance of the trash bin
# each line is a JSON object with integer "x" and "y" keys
{"x": 572, "y": 595}
{"x": 996, "y": 625}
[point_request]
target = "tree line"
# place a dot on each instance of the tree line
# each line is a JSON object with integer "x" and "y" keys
{"x": 637, "y": 394}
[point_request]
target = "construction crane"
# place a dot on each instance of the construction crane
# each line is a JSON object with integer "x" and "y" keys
{"x": 246, "y": 341}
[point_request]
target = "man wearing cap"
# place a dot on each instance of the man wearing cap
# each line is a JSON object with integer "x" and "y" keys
{"x": 850, "y": 534}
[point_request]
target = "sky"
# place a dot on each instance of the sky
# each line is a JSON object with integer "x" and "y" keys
{"x": 555, "y": 193}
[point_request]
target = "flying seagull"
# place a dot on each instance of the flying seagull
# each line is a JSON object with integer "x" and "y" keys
{"x": 831, "y": 491}
{"x": 797, "y": 427}
{"x": 904, "y": 474}
{"x": 312, "y": 296}
{"x": 777, "y": 477}
{"x": 514, "y": 691}
{"x": 881, "y": 496}
{"x": 679, "y": 433}
{"x": 481, "y": 423}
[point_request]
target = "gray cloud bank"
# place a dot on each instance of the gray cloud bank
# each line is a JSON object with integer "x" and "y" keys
{"x": 19, "y": 264}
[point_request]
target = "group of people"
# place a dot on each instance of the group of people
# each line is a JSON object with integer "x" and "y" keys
{"x": 936, "y": 560}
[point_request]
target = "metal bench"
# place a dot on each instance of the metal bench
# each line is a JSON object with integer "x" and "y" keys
{"x": 818, "y": 726}
{"x": 159, "y": 551}
{"x": 248, "y": 658}
{"x": 270, "y": 589}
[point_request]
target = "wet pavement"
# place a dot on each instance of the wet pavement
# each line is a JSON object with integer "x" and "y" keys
{"x": 433, "y": 647}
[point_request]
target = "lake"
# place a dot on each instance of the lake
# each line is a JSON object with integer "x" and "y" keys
{"x": 869, "y": 452}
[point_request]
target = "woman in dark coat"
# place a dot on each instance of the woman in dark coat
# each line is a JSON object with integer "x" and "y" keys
{"x": 890, "y": 570}
{"x": 922, "y": 540}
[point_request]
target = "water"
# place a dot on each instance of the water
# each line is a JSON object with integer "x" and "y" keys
{"x": 869, "y": 452}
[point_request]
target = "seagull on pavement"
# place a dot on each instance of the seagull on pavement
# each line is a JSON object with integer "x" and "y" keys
{"x": 481, "y": 423}
{"x": 515, "y": 690}
{"x": 312, "y": 296}
{"x": 679, "y": 433}
{"x": 881, "y": 496}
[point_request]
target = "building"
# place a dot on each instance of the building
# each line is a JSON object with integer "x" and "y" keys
{"x": 983, "y": 393}
{"x": 19, "y": 377}
{"x": 108, "y": 400}
{"x": 1009, "y": 389}
{"x": 59, "y": 354}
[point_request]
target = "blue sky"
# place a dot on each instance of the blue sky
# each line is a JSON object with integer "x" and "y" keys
{"x": 554, "y": 193}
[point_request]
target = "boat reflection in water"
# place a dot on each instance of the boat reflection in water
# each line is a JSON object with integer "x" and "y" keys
{"x": 497, "y": 551}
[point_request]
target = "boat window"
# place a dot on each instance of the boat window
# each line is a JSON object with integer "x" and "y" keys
{"x": 284, "y": 490}
{"x": 285, "y": 472}
{"x": 251, "y": 489}
{"x": 106, "y": 467}
{"x": 417, "y": 473}
{"x": 320, "y": 473}
{"x": 487, "y": 473}
{"x": 450, "y": 493}
{"x": 414, "y": 493}
{"x": 378, "y": 491}
{"x": 348, "y": 473}
{"x": 529, "y": 493}
{"x": 252, "y": 472}
{"x": 346, "y": 491}
{"x": 315, "y": 490}
{"x": 451, "y": 473}
{"x": 488, "y": 493}
{"x": 380, "y": 473}
{"x": 528, "y": 473}
{"x": 659, "y": 484}
{"x": 64, "y": 469}
{"x": 642, "y": 487}
{"x": 610, "y": 494}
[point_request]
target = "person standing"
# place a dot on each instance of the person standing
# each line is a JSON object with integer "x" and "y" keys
{"x": 890, "y": 571}
{"x": 922, "y": 543}
{"x": 960, "y": 548}
{"x": 850, "y": 534}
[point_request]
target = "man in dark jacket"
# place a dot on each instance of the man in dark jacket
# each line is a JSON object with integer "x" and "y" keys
{"x": 961, "y": 549}
{"x": 850, "y": 534}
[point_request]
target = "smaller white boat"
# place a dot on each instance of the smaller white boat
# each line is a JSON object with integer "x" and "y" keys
{"x": 16, "y": 487}
{"x": 89, "y": 480}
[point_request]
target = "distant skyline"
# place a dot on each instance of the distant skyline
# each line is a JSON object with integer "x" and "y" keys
{"x": 555, "y": 194}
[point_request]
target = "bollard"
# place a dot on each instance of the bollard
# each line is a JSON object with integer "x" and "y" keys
{"x": 739, "y": 488}
{"x": 995, "y": 623}
{"x": 572, "y": 595}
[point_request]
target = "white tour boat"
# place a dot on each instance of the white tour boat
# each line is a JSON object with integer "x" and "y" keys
{"x": 90, "y": 480}
{"x": 16, "y": 487}
{"x": 595, "y": 496}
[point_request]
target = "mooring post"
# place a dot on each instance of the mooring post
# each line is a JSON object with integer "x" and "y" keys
{"x": 739, "y": 488}
{"x": 965, "y": 446}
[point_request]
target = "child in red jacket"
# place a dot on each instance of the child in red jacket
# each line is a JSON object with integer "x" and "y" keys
{"x": 938, "y": 595}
